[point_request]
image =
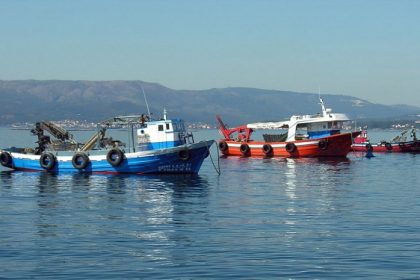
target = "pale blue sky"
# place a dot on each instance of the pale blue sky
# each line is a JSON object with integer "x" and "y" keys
{"x": 367, "y": 49}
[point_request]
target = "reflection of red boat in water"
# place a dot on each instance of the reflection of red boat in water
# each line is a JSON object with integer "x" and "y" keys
{"x": 397, "y": 145}
{"x": 306, "y": 136}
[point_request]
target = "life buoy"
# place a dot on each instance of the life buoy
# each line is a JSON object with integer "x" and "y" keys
{"x": 223, "y": 146}
{"x": 80, "y": 160}
{"x": 47, "y": 161}
{"x": 115, "y": 157}
{"x": 323, "y": 144}
{"x": 388, "y": 146}
{"x": 290, "y": 147}
{"x": 184, "y": 154}
{"x": 6, "y": 159}
{"x": 267, "y": 149}
{"x": 369, "y": 148}
{"x": 244, "y": 149}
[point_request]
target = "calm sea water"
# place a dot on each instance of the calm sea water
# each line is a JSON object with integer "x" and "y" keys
{"x": 260, "y": 219}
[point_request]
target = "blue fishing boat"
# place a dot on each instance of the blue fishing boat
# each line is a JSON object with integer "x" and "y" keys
{"x": 153, "y": 146}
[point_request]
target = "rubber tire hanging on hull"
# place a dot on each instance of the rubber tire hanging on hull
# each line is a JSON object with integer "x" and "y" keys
{"x": 267, "y": 149}
{"x": 80, "y": 160}
{"x": 369, "y": 148}
{"x": 290, "y": 147}
{"x": 223, "y": 146}
{"x": 6, "y": 159}
{"x": 323, "y": 144}
{"x": 244, "y": 149}
{"x": 388, "y": 146}
{"x": 47, "y": 161}
{"x": 184, "y": 154}
{"x": 115, "y": 157}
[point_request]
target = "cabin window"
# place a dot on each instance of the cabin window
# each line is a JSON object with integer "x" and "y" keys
{"x": 301, "y": 132}
{"x": 329, "y": 124}
{"x": 167, "y": 126}
{"x": 160, "y": 127}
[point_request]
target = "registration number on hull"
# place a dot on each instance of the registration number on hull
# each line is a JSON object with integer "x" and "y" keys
{"x": 179, "y": 167}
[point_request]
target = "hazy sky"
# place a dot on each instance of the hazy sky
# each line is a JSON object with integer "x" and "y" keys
{"x": 367, "y": 49}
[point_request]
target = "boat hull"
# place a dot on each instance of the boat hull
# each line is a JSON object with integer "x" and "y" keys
{"x": 401, "y": 147}
{"x": 171, "y": 160}
{"x": 332, "y": 146}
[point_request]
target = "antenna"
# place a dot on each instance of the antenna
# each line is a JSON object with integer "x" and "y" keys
{"x": 145, "y": 100}
{"x": 324, "y": 110}
{"x": 319, "y": 98}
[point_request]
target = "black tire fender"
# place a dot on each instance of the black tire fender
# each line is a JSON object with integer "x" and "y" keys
{"x": 290, "y": 147}
{"x": 6, "y": 159}
{"x": 184, "y": 154}
{"x": 267, "y": 149}
{"x": 115, "y": 157}
{"x": 323, "y": 144}
{"x": 244, "y": 149}
{"x": 80, "y": 160}
{"x": 388, "y": 146}
{"x": 223, "y": 146}
{"x": 47, "y": 161}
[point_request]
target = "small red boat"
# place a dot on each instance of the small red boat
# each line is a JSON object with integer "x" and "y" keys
{"x": 306, "y": 136}
{"x": 397, "y": 145}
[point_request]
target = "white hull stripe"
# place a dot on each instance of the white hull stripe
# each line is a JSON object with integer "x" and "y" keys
{"x": 273, "y": 145}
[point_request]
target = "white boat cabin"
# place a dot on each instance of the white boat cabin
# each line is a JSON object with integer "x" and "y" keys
{"x": 308, "y": 126}
{"x": 162, "y": 134}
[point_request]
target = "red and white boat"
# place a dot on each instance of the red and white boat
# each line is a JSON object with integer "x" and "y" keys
{"x": 302, "y": 136}
{"x": 397, "y": 145}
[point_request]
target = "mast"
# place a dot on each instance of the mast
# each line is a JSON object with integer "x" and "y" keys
{"x": 145, "y": 100}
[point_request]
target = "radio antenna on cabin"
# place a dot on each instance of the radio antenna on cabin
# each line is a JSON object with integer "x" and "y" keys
{"x": 145, "y": 100}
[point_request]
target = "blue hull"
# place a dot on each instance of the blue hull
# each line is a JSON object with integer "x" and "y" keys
{"x": 155, "y": 161}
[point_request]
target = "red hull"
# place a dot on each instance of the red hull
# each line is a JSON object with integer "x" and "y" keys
{"x": 403, "y": 147}
{"x": 332, "y": 146}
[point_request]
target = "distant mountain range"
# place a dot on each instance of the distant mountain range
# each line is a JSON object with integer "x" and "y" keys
{"x": 32, "y": 100}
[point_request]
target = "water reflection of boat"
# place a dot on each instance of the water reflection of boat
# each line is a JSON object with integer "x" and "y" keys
{"x": 398, "y": 144}
{"x": 104, "y": 203}
{"x": 306, "y": 136}
{"x": 153, "y": 146}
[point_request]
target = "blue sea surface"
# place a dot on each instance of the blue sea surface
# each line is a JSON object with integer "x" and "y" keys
{"x": 343, "y": 218}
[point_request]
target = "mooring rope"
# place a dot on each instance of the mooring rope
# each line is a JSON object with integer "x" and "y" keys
{"x": 212, "y": 161}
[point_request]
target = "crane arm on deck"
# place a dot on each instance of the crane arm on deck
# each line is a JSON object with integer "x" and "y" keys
{"x": 55, "y": 130}
{"x": 93, "y": 140}
{"x": 243, "y": 132}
